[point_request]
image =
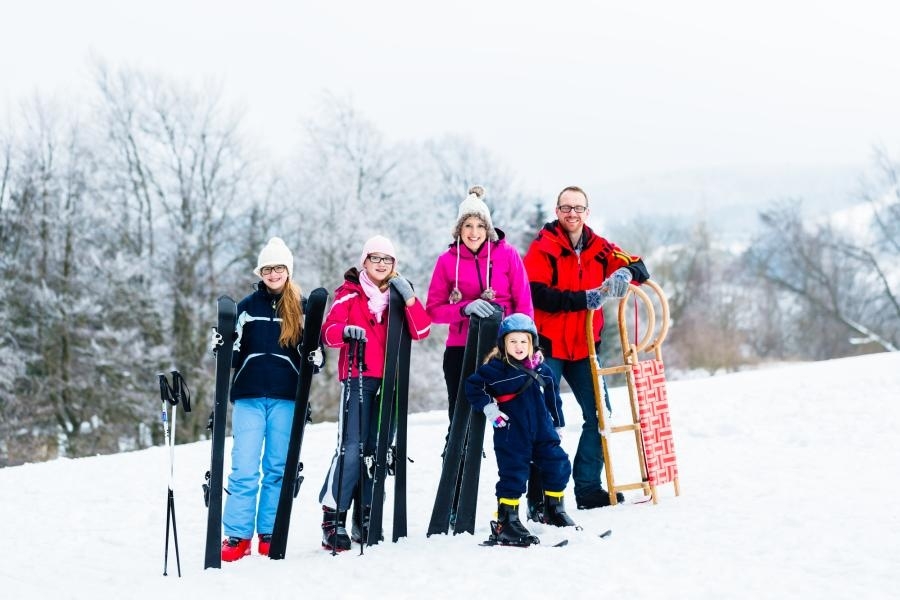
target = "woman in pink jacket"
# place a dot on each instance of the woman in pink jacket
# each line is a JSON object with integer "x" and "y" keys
{"x": 359, "y": 312}
{"x": 478, "y": 269}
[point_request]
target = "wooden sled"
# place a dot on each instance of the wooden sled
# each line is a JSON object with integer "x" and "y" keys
{"x": 646, "y": 382}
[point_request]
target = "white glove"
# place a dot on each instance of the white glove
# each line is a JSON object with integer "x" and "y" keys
{"x": 354, "y": 332}
{"x": 479, "y": 308}
{"x": 494, "y": 415}
{"x": 317, "y": 358}
{"x": 616, "y": 285}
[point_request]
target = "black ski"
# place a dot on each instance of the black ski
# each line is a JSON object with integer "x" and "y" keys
{"x": 314, "y": 313}
{"x": 396, "y": 332}
{"x": 493, "y": 542}
{"x": 445, "y": 501}
{"x": 402, "y": 403}
{"x": 212, "y": 489}
{"x": 471, "y": 468}
{"x": 525, "y": 542}
{"x": 455, "y": 447}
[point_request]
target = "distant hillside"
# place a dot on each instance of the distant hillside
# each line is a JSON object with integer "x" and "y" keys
{"x": 728, "y": 197}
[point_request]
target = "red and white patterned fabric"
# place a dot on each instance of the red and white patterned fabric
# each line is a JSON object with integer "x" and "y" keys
{"x": 656, "y": 428}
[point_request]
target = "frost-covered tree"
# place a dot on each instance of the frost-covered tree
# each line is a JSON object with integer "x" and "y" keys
{"x": 177, "y": 168}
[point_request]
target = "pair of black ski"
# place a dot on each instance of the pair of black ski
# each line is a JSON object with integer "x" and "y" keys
{"x": 457, "y": 492}
{"x": 392, "y": 414}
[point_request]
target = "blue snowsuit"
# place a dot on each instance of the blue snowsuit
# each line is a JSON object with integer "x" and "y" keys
{"x": 530, "y": 434}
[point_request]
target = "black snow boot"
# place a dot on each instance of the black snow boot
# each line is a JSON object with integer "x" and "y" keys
{"x": 596, "y": 499}
{"x": 508, "y": 530}
{"x": 359, "y": 532}
{"x": 535, "y": 495}
{"x": 555, "y": 513}
{"x": 536, "y": 511}
{"x": 334, "y": 530}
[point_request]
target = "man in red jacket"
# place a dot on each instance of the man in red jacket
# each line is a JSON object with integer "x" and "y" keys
{"x": 571, "y": 269}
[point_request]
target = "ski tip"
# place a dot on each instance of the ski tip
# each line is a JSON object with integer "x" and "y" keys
{"x": 606, "y": 533}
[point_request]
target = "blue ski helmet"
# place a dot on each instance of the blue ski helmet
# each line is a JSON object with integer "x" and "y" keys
{"x": 517, "y": 322}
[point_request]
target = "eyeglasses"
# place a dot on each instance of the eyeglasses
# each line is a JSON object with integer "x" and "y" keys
{"x": 277, "y": 269}
{"x": 380, "y": 259}
{"x": 567, "y": 208}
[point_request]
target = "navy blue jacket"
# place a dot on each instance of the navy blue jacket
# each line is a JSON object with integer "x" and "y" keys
{"x": 529, "y": 437}
{"x": 498, "y": 380}
{"x": 263, "y": 367}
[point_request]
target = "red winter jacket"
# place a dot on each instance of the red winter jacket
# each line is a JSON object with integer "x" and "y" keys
{"x": 559, "y": 277}
{"x": 351, "y": 307}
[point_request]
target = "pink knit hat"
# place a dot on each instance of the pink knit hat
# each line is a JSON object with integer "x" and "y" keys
{"x": 378, "y": 244}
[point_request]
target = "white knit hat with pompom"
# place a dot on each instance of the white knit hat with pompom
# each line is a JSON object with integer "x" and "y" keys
{"x": 474, "y": 206}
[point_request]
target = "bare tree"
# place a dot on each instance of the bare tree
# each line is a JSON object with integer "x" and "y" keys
{"x": 843, "y": 287}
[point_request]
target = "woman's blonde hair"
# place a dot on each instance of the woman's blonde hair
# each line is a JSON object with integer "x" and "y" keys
{"x": 290, "y": 309}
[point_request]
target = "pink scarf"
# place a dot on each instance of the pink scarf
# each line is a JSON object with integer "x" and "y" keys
{"x": 378, "y": 300}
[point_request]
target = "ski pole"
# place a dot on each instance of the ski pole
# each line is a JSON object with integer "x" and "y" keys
{"x": 360, "y": 495}
{"x": 342, "y": 448}
{"x": 173, "y": 394}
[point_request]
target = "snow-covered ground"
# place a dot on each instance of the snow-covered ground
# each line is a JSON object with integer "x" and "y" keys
{"x": 787, "y": 478}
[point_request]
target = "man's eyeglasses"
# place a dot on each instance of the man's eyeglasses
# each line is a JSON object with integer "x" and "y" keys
{"x": 567, "y": 208}
{"x": 380, "y": 259}
{"x": 277, "y": 269}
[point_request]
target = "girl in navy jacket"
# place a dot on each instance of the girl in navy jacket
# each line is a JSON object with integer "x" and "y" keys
{"x": 266, "y": 364}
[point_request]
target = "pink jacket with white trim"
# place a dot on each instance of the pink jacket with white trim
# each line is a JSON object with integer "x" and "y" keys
{"x": 351, "y": 307}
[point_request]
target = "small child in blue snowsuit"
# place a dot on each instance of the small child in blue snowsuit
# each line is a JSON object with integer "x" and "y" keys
{"x": 519, "y": 397}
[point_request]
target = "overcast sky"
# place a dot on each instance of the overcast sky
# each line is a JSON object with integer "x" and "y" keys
{"x": 559, "y": 91}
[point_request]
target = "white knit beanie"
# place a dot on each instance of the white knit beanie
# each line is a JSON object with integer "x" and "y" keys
{"x": 275, "y": 253}
{"x": 474, "y": 206}
{"x": 379, "y": 244}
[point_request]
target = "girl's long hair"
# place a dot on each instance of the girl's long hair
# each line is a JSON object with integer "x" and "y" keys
{"x": 291, "y": 312}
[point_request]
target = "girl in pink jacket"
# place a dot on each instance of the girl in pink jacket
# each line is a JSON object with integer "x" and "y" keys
{"x": 359, "y": 312}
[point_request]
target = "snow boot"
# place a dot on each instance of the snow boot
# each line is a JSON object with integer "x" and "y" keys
{"x": 535, "y": 495}
{"x": 334, "y": 530}
{"x": 596, "y": 499}
{"x": 536, "y": 511}
{"x": 265, "y": 540}
{"x": 359, "y": 533}
{"x": 556, "y": 511}
{"x": 508, "y": 530}
{"x": 235, "y": 548}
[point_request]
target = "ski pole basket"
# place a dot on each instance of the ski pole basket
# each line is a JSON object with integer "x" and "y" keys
{"x": 646, "y": 382}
